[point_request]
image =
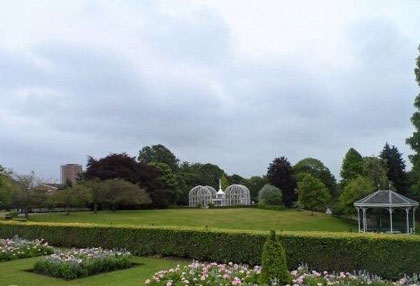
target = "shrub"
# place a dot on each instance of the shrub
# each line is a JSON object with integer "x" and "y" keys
{"x": 75, "y": 263}
{"x": 383, "y": 254}
{"x": 270, "y": 195}
{"x": 10, "y": 215}
{"x": 274, "y": 265}
{"x": 17, "y": 248}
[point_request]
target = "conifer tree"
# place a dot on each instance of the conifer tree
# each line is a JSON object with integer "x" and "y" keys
{"x": 414, "y": 140}
{"x": 352, "y": 166}
{"x": 395, "y": 166}
{"x": 274, "y": 263}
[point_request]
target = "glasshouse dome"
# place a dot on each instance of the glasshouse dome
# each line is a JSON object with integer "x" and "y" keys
{"x": 201, "y": 195}
{"x": 237, "y": 195}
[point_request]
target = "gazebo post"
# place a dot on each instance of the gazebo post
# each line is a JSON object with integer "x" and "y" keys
{"x": 407, "y": 210}
{"x": 364, "y": 219}
{"x": 358, "y": 217}
{"x": 390, "y": 217}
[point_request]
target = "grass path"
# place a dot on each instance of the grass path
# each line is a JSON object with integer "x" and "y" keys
{"x": 16, "y": 273}
{"x": 247, "y": 218}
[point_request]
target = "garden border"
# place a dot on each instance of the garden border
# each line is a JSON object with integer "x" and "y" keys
{"x": 386, "y": 255}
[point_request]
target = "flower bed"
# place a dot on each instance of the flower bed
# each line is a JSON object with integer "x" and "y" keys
{"x": 17, "y": 248}
{"x": 213, "y": 274}
{"x": 75, "y": 263}
{"x": 206, "y": 274}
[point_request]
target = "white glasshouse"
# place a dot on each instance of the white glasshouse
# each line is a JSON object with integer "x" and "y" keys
{"x": 233, "y": 195}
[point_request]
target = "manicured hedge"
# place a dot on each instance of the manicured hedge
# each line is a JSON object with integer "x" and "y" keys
{"x": 386, "y": 255}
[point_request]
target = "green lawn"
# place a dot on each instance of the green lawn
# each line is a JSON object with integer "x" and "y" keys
{"x": 246, "y": 218}
{"x": 17, "y": 273}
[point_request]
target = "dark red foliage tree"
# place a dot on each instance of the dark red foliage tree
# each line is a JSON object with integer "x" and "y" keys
{"x": 280, "y": 174}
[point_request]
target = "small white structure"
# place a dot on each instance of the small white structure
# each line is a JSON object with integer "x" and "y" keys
{"x": 237, "y": 195}
{"x": 201, "y": 195}
{"x": 234, "y": 195}
{"x": 220, "y": 199}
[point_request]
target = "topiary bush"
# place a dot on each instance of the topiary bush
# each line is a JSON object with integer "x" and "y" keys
{"x": 273, "y": 263}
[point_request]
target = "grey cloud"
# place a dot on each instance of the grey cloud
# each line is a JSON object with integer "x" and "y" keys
{"x": 201, "y": 103}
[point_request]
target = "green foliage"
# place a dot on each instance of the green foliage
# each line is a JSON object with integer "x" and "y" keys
{"x": 122, "y": 193}
{"x": 273, "y": 262}
{"x": 25, "y": 195}
{"x": 171, "y": 180}
{"x": 203, "y": 174}
{"x": 355, "y": 190}
{"x": 254, "y": 185}
{"x": 158, "y": 154}
{"x": 235, "y": 179}
{"x": 395, "y": 167}
{"x": 98, "y": 261}
{"x": 270, "y": 196}
{"x": 73, "y": 196}
{"x": 394, "y": 254}
{"x": 351, "y": 167}
{"x": 224, "y": 182}
{"x": 375, "y": 169}
{"x": 312, "y": 193}
{"x": 314, "y": 281}
{"x": 317, "y": 169}
{"x": 414, "y": 140}
{"x": 6, "y": 189}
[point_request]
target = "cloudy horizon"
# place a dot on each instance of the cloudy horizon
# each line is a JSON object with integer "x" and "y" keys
{"x": 214, "y": 81}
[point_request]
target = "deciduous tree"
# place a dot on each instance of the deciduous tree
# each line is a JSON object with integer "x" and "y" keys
{"x": 312, "y": 193}
{"x": 25, "y": 196}
{"x": 124, "y": 193}
{"x": 355, "y": 190}
{"x": 375, "y": 169}
{"x": 76, "y": 195}
{"x": 158, "y": 154}
{"x": 280, "y": 174}
{"x": 317, "y": 169}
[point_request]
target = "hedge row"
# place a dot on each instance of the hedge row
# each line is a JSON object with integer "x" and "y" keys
{"x": 386, "y": 255}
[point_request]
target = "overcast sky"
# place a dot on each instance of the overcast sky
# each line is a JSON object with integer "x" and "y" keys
{"x": 234, "y": 83}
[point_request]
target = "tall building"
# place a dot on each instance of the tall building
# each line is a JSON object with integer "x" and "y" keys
{"x": 70, "y": 172}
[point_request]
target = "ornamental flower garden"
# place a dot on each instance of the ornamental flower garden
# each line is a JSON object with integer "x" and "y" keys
{"x": 207, "y": 274}
{"x": 17, "y": 248}
{"x": 213, "y": 274}
{"x": 75, "y": 263}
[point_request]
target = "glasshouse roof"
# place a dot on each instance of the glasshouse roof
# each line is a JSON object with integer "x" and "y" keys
{"x": 385, "y": 198}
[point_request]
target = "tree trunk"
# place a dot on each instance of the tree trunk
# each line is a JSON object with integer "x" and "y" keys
{"x": 26, "y": 210}
{"x": 113, "y": 207}
{"x": 67, "y": 210}
{"x": 95, "y": 208}
{"x": 312, "y": 212}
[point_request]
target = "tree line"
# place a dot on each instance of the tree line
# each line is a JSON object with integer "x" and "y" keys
{"x": 158, "y": 179}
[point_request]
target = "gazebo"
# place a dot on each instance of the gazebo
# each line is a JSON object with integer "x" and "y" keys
{"x": 390, "y": 201}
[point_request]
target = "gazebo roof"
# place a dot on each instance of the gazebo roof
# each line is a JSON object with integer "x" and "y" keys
{"x": 386, "y": 198}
